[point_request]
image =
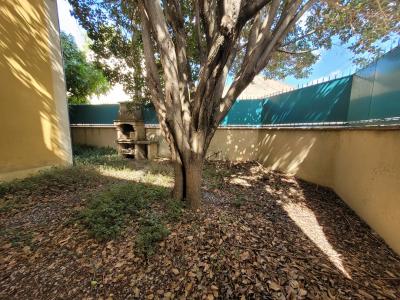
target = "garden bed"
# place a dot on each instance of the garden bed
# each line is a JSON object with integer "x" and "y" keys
{"x": 106, "y": 228}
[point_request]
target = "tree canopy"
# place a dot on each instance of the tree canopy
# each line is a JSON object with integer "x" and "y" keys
{"x": 83, "y": 78}
{"x": 115, "y": 29}
{"x": 187, "y": 49}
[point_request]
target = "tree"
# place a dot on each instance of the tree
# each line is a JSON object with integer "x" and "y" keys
{"x": 83, "y": 78}
{"x": 190, "y": 47}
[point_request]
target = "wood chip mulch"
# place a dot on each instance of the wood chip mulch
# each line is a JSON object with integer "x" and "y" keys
{"x": 259, "y": 235}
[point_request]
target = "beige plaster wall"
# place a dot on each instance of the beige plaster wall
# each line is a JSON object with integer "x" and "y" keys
{"x": 234, "y": 144}
{"x": 34, "y": 126}
{"x": 361, "y": 166}
{"x": 367, "y": 177}
{"x": 155, "y": 134}
{"x": 292, "y": 151}
{"x": 94, "y": 136}
{"x": 308, "y": 154}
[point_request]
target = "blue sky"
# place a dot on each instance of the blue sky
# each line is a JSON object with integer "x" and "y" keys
{"x": 336, "y": 61}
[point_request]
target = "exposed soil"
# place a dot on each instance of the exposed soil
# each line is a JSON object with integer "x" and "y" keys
{"x": 259, "y": 235}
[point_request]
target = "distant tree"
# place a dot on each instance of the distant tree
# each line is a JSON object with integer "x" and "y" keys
{"x": 190, "y": 47}
{"x": 83, "y": 78}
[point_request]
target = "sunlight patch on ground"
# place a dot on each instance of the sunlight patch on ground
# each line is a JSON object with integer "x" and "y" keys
{"x": 240, "y": 181}
{"x": 138, "y": 176}
{"x": 308, "y": 223}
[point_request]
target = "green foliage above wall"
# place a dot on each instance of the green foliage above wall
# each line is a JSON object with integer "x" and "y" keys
{"x": 83, "y": 78}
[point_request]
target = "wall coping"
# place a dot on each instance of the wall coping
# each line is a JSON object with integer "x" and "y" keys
{"x": 287, "y": 127}
{"x": 92, "y": 125}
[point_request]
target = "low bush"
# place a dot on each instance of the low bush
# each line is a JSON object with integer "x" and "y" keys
{"x": 239, "y": 201}
{"x": 107, "y": 211}
{"x": 214, "y": 175}
{"x": 17, "y": 237}
{"x": 174, "y": 210}
{"x": 98, "y": 156}
{"x": 51, "y": 181}
{"x": 151, "y": 232}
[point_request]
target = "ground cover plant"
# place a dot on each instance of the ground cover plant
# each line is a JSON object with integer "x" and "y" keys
{"x": 113, "y": 232}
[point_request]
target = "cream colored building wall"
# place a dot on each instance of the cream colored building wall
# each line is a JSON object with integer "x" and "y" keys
{"x": 293, "y": 151}
{"x": 234, "y": 144}
{"x": 361, "y": 166}
{"x": 34, "y": 126}
{"x": 367, "y": 177}
{"x": 155, "y": 134}
{"x": 94, "y": 136}
{"x": 308, "y": 154}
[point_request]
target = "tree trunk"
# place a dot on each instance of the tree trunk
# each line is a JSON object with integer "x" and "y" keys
{"x": 179, "y": 183}
{"x": 193, "y": 175}
{"x": 187, "y": 186}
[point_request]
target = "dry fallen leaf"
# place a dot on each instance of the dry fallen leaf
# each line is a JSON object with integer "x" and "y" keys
{"x": 274, "y": 286}
{"x": 245, "y": 256}
{"x": 302, "y": 292}
{"x": 222, "y": 251}
{"x": 136, "y": 291}
{"x": 175, "y": 271}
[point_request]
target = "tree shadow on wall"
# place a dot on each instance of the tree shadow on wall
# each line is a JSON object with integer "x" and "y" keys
{"x": 33, "y": 115}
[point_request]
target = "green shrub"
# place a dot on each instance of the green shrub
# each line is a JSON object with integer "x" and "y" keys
{"x": 100, "y": 156}
{"x": 104, "y": 218}
{"x": 174, "y": 210}
{"x": 151, "y": 232}
{"x": 92, "y": 151}
{"x": 51, "y": 181}
{"x": 239, "y": 201}
{"x": 107, "y": 211}
{"x": 214, "y": 175}
{"x": 17, "y": 237}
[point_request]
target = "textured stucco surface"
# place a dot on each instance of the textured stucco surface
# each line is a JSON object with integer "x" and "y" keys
{"x": 94, "y": 136}
{"x": 367, "y": 177}
{"x": 33, "y": 108}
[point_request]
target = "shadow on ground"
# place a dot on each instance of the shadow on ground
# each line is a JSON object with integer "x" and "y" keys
{"x": 310, "y": 228}
{"x": 259, "y": 234}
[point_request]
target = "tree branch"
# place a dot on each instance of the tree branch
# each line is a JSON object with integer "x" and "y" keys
{"x": 250, "y": 9}
{"x": 298, "y": 38}
{"x": 198, "y": 32}
{"x": 177, "y": 111}
{"x": 271, "y": 15}
{"x": 253, "y": 35}
{"x": 294, "y": 52}
{"x": 208, "y": 13}
{"x": 261, "y": 54}
{"x": 151, "y": 70}
{"x": 154, "y": 80}
{"x": 174, "y": 15}
{"x": 230, "y": 14}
